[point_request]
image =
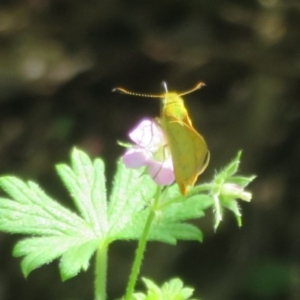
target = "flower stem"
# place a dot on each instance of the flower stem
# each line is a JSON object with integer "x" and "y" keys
{"x": 139, "y": 254}
{"x": 218, "y": 213}
{"x": 100, "y": 272}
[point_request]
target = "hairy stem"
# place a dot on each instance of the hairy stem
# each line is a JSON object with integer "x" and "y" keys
{"x": 139, "y": 254}
{"x": 100, "y": 272}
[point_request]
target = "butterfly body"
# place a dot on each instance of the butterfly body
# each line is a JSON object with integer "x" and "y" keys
{"x": 189, "y": 151}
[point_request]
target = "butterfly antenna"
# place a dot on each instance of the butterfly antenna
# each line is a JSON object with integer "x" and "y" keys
{"x": 124, "y": 91}
{"x": 197, "y": 87}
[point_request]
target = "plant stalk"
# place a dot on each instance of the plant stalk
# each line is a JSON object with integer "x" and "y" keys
{"x": 139, "y": 254}
{"x": 101, "y": 272}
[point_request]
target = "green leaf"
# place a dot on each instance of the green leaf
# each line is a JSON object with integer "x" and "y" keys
{"x": 77, "y": 258}
{"x": 132, "y": 193}
{"x": 86, "y": 184}
{"x": 170, "y": 290}
{"x": 57, "y": 231}
{"x": 188, "y": 209}
{"x": 42, "y": 250}
{"x": 168, "y": 226}
{"x": 233, "y": 167}
{"x": 33, "y": 212}
{"x": 241, "y": 180}
{"x": 171, "y": 232}
{"x": 234, "y": 207}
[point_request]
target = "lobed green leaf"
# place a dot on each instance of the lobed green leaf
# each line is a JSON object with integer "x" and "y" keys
{"x": 132, "y": 192}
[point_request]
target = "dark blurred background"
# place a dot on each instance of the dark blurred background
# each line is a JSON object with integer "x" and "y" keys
{"x": 60, "y": 59}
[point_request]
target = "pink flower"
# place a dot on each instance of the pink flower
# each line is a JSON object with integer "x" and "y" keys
{"x": 150, "y": 151}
